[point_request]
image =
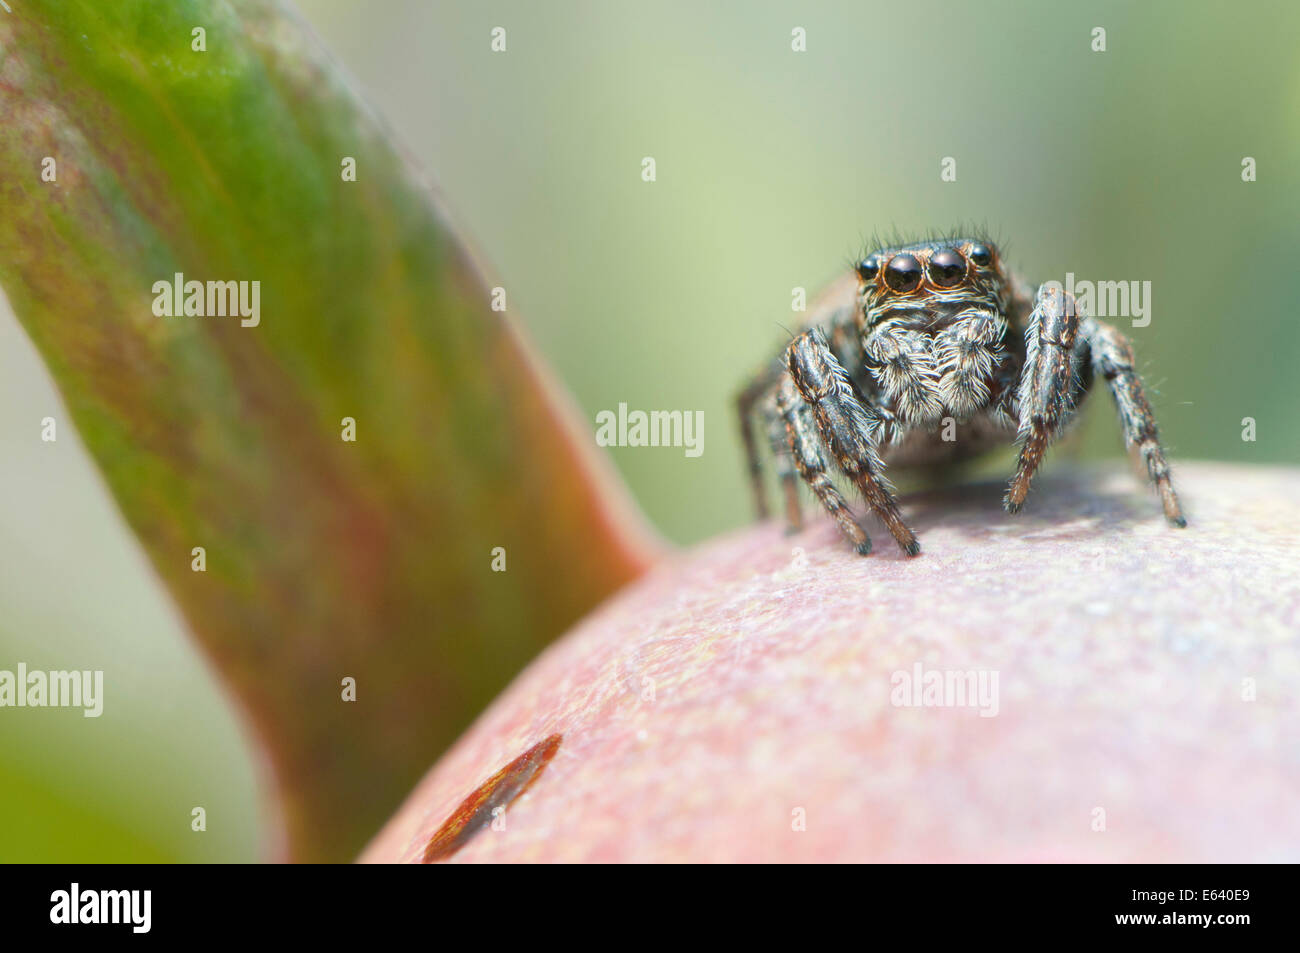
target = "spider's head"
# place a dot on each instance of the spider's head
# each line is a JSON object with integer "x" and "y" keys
{"x": 930, "y": 281}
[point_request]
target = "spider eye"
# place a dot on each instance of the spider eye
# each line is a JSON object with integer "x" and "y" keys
{"x": 868, "y": 268}
{"x": 981, "y": 255}
{"x": 947, "y": 268}
{"x": 903, "y": 273}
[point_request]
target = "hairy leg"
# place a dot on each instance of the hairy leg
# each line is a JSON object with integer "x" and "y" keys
{"x": 805, "y": 451}
{"x": 761, "y": 386}
{"x": 846, "y": 425}
{"x": 1049, "y": 384}
{"x": 1112, "y": 359}
{"x": 784, "y": 458}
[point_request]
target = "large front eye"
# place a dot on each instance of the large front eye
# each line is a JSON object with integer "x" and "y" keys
{"x": 868, "y": 268}
{"x": 903, "y": 273}
{"x": 947, "y": 268}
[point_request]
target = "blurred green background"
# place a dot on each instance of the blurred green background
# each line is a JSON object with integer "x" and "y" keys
{"x": 773, "y": 168}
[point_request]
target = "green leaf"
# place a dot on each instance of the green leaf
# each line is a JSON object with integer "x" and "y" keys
{"x": 325, "y": 559}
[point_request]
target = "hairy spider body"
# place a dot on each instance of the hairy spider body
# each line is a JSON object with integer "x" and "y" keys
{"x": 930, "y": 354}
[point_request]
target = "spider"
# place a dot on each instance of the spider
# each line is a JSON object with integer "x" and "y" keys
{"x": 932, "y": 353}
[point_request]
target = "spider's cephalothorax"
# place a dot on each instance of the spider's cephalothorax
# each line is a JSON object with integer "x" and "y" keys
{"x": 930, "y": 354}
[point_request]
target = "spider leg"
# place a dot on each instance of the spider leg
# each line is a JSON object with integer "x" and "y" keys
{"x": 1112, "y": 359}
{"x": 760, "y": 386}
{"x": 806, "y": 453}
{"x": 784, "y": 459}
{"x": 847, "y": 428}
{"x": 1049, "y": 384}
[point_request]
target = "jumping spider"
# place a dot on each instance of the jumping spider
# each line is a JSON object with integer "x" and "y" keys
{"x": 935, "y": 336}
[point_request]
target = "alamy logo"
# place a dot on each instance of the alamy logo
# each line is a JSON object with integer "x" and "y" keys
{"x": 945, "y": 688}
{"x": 212, "y": 299}
{"x": 38, "y": 689}
{"x": 1110, "y": 299}
{"x": 103, "y": 906}
{"x": 655, "y": 428}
